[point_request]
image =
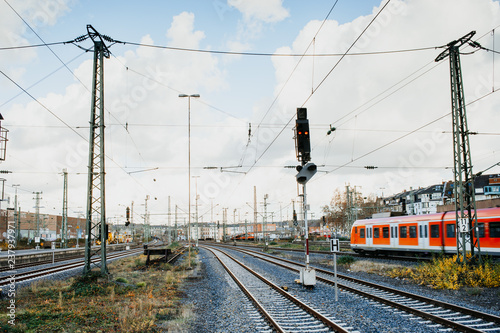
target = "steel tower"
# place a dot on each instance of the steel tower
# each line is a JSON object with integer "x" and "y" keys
{"x": 96, "y": 209}
{"x": 465, "y": 201}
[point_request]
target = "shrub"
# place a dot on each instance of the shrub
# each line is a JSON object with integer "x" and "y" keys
{"x": 141, "y": 284}
{"x": 122, "y": 280}
{"x": 446, "y": 273}
{"x": 345, "y": 260}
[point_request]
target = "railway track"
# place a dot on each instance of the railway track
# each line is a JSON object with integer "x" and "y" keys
{"x": 45, "y": 262}
{"x": 353, "y": 254}
{"x": 281, "y": 311}
{"x": 35, "y": 274}
{"x": 442, "y": 313}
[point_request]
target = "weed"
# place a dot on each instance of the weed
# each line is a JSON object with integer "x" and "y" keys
{"x": 121, "y": 280}
{"x": 345, "y": 260}
{"x": 446, "y": 273}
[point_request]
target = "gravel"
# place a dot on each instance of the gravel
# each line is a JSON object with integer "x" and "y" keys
{"x": 219, "y": 306}
{"x": 216, "y": 301}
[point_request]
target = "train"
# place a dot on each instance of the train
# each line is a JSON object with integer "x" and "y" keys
{"x": 424, "y": 234}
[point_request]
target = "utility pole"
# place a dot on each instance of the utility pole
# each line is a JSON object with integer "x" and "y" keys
{"x": 17, "y": 216}
{"x": 96, "y": 199}
{"x": 175, "y": 230}
{"x": 224, "y": 219}
{"x": 146, "y": 220}
{"x": 196, "y": 208}
{"x": 264, "y": 220}
{"x": 37, "y": 214}
{"x": 64, "y": 222}
{"x": 234, "y": 224}
{"x": 465, "y": 201}
{"x": 255, "y": 213}
{"x": 169, "y": 239}
{"x": 212, "y": 214}
{"x": 132, "y": 220}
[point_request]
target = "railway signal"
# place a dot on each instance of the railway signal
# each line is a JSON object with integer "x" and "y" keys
{"x": 302, "y": 136}
{"x": 305, "y": 172}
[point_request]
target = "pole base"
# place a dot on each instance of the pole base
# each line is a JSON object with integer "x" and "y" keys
{"x": 308, "y": 277}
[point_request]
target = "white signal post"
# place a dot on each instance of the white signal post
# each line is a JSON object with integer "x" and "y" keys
{"x": 334, "y": 248}
{"x": 307, "y": 275}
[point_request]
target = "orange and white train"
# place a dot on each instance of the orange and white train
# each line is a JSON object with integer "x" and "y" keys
{"x": 423, "y": 233}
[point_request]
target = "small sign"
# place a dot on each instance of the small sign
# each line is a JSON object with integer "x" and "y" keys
{"x": 463, "y": 224}
{"x": 334, "y": 245}
{"x": 37, "y": 239}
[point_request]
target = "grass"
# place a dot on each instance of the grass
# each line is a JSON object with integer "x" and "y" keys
{"x": 146, "y": 300}
{"x": 446, "y": 273}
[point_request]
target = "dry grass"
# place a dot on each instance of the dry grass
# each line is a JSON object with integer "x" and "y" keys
{"x": 149, "y": 300}
{"x": 373, "y": 267}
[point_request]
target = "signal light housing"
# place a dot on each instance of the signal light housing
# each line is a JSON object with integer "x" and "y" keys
{"x": 306, "y": 172}
{"x": 302, "y": 136}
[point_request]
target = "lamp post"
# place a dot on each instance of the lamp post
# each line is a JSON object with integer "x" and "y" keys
{"x": 189, "y": 171}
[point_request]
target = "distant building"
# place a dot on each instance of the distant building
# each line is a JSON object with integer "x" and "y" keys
{"x": 429, "y": 200}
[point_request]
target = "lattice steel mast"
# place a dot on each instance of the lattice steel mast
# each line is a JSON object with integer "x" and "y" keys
{"x": 64, "y": 220}
{"x": 465, "y": 201}
{"x": 96, "y": 209}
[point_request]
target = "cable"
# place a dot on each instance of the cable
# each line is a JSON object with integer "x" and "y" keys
{"x": 41, "y": 80}
{"x": 43, "y": 106}
{"x": 280, "y": 54}
{"x": 30, "y": 46}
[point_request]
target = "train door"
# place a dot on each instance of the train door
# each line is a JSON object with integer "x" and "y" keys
{"x": 369, "y": 236}
{"x": 394, "y": 235}
{"x": 423, "y": 235}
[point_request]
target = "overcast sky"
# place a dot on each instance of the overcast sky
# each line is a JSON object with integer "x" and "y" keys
{"x": 390, "y": 110}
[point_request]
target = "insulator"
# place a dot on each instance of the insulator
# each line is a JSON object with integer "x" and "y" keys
{"x": 81, "y": 38}
{"x": 107, "y": 38}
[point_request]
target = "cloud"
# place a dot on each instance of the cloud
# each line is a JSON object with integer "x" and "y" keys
{"x": 376, "y": 99}
{"x": 371, "y": 99}
{"x": 268, "y": 11}
{"x": 14, "y": 32}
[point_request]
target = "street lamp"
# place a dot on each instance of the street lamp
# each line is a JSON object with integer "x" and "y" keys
{"x": 189, "y": 171}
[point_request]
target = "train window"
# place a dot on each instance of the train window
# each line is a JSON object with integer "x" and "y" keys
{"x": 376, "y": 232}
{"x": 369, "y": 233}
{"x": 385, "y": 232}
{"x": 402, "y": 232}
{"x": 420, "y": 231}
{"x": 480, "y": 226}
{"x": 495, "y": 229}
{"x": 425, "y": 232}
{"x": 413, "y": 231}
{"x": 355, "y": 230}
{"x": 362, "y": 233}
{"x": 450, "y": 230}
{"x": 434, "y": 231}
{"x": 395, "y": 232}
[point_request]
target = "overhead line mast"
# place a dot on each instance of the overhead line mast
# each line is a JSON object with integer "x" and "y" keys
{"x": 96, "y": 208}
{"x": 467, "y": 231}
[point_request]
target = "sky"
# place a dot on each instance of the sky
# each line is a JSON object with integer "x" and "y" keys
{"x": 365, "y": 68}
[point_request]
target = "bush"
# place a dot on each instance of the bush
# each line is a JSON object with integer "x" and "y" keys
{"x": 345, "y": 260}
{"x": 122, "y": 280}
{"x": 141, "y": 284}
{"x": 446, "y": 273}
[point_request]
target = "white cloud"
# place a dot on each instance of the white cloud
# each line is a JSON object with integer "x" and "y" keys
{"x": 268, "y": 11}
{"x": 363, "y": 79}
{"x": 14, "y": 32}
{"x": 40, "y": 146}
